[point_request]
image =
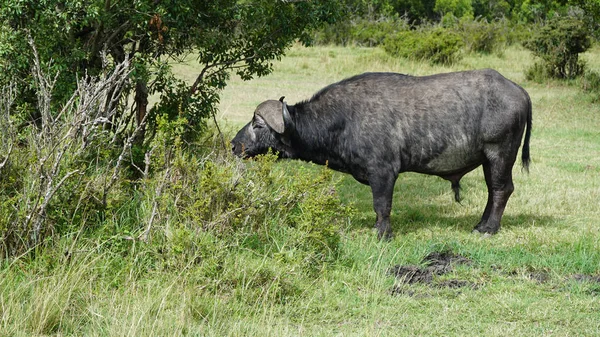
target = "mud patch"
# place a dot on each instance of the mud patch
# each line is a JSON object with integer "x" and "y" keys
{"x": 413, "y": 274}
{"x": 592, "y": 283}
{"x": 435, "y": 264}
{"x": 539, "y": 276}
{"x": 587, "y": 278}
{"x": 545, "y": 276}
{"x": 456, "y": 284}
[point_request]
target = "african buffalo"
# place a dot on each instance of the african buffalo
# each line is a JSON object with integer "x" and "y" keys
{"x": 376, "y": 125}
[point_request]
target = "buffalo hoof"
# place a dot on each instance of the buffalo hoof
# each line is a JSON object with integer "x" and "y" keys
{"x": 385, "y": 235}
{"x": 483, "y": 235}
{"x": 384, "y": 230}
{"x": 486, "y": 228}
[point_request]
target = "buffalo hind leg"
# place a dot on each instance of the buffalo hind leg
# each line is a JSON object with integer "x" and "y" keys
{"x": 488, "y": 206}
{"x": 383, "y": 191}
{"x": 498, "y": 178}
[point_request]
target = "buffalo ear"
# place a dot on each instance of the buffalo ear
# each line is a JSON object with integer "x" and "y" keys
{"x": 272, "y": 113}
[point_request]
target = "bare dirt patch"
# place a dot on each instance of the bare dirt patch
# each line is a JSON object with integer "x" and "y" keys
{"x": 437, "y": 264}
{"x": 587, "y": 278}
{"x": 434, "y": 264}
{"x": 539, "y": 276}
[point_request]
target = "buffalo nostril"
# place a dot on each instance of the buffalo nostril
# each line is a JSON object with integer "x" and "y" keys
{"x": 233, "y": 147}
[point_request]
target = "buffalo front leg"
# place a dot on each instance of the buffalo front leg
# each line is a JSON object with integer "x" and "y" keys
{"x": 383, "y": 191}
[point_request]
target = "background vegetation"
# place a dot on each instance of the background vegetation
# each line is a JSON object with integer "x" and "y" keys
{"x": 122, "y": 213}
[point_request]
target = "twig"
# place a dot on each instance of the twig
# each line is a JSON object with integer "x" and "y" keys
{"x": 6, "y": 158}
{"x": 158, "y": 193}
{"x": 126, "y": 148}
{"x": 222, "y": 65}
{"x": 7, "y": 99}
{"x": 219, "y": 130}
{"x": 63, "y": 137}
{"x": 41, "y": 211}
{"x": 147, "y": 162}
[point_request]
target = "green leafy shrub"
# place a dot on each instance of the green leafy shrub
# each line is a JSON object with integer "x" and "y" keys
{"x": 337, "y": 33}
{"x": 538, "y": 72}
{"x": 373, "y": 33}
{"x": 436, "y": 45}
{"x": 590, "y": 82}
{"x": 247, "y": 228}
{"x": 518, "y": 32}
{"x": 256, "y": 203}
{"x": 457, "y": 8}
{"x": 480, "y": 36}
{"x": 360, "y": 32}
{"x": 558, "y": 44}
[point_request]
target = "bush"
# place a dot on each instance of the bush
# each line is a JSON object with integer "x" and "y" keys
{"x": 256, "y": 204}
{"x": 456, "y": 8}
{"x": 74, "y": 174}
{"x": 479, "y": 36}
{"x": 590, "y": 82}
{"x": 361, "y": 32}
{"x": 436, "y": 45}
{"x": 518, "y": 32}
{"x": 373, "y": 33}
{"x": 337, "y": 33}
{"x": 243, "y": 225}
{"x": 538, "y": 73}
{"x": 48, "y": 172}
{"x": 558, "y": 44}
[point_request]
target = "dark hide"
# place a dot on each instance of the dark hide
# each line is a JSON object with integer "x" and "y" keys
{"x": 377, "y": 125}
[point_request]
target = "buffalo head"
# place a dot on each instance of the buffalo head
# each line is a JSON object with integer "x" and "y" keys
{"x": 269, "y": 128}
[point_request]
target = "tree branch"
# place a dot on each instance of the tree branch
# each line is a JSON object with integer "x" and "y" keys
{"x": 223, "y": 65}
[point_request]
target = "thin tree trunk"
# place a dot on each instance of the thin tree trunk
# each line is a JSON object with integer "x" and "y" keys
{"x": 141, "y": 108}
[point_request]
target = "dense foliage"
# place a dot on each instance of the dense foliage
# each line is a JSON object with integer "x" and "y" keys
{"x": 79, "y": 137}
{"x": 558, "y": 44}
{"x": 224, "y": 35}
{"x": 429, "y": 29}
{"x": 436, "y": 45}
{"x": 418, "y": 12}
{"x": 361, "y": 32}
{"x": 70, "y": 178}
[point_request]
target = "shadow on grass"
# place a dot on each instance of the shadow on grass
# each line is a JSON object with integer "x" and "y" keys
{"x": 414, "y": 206}
{"x": 403, "y": 225}
{"x": 409, "y": 219}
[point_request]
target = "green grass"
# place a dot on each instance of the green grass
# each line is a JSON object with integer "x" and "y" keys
{"x": 551, "y": 226}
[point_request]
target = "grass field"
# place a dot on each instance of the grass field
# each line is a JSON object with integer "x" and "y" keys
{"x": 539, "y": 276}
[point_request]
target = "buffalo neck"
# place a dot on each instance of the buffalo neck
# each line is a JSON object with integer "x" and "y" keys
{"x": 315, "y": 136}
